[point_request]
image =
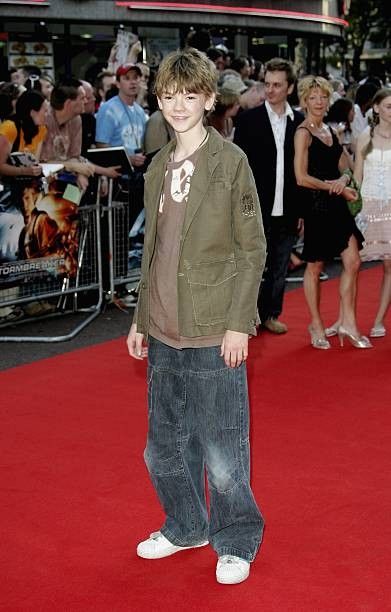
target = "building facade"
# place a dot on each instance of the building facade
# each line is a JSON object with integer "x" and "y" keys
{"x": 61, "y": 36}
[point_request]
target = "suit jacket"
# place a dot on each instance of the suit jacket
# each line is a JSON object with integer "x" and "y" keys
{"x": 222, "y": 249}
{"x": 254, "y": 134}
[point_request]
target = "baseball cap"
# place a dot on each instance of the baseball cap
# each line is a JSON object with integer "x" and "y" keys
{"x": 125, "y": 68}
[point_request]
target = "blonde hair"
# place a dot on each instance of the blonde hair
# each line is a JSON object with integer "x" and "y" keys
{"x": 379, "y": 96}
{"x": 225, "y": 99}
{"x": 187, "y": 70}
{"x": 308, "y": 83}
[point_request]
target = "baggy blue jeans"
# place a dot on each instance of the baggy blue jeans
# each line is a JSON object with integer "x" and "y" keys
{"x": 198, "y": 419}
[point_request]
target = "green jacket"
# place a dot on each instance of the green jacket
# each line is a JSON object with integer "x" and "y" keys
{"x": 223, "y": 249}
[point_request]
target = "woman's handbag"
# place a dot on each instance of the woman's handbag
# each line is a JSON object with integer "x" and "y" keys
{"x": 354, "y": 206}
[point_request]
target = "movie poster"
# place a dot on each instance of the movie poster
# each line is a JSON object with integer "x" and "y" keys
{"x": 39, "y": 235}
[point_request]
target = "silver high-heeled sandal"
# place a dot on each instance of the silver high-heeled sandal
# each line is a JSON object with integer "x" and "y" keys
{"x": 318, "y": 342}
{"x": 331, "y": 331}
{"x": 361, "y": 342}
{"x": 378, "y": 331}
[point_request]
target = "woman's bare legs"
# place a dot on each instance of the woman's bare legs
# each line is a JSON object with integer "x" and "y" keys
{"x": 385, "y": 294}
{"x": 312, "y": 295}
{"x": 348, "y": 286}
{"x": 333, "y": 329}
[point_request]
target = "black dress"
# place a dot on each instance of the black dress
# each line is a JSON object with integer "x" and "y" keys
{"x": 328, "y": 223}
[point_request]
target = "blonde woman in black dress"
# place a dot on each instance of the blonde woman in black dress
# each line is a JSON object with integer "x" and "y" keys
{"x": 329, "y": 228}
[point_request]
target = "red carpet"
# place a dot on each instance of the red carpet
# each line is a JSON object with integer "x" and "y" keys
{"x": 75, "y": 496}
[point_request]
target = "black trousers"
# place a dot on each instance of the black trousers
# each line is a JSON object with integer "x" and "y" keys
{"x": 280, "y": 240}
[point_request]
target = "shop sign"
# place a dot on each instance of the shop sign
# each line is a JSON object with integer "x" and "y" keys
{"x": 39, "y": 54}
{"x": 299, "y": 11}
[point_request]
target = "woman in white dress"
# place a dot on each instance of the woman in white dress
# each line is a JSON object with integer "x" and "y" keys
{"x": 373, "y": 171}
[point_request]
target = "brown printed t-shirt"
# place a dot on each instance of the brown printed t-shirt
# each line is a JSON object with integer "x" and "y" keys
{"x": 62, "y": 142}
{"x": 164, "y": 267}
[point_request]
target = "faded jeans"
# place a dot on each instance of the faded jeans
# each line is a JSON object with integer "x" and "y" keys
{"x": 198, "y": 419}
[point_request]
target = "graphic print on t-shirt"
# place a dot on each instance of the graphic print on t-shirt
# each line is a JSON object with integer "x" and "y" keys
{"x": 180, "y": 183}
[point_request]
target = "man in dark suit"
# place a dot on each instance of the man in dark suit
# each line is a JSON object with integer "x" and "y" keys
{"x": 265, "y": 134}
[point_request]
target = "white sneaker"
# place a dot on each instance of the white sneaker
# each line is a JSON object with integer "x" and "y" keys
{"x": 157, "y": 546}
{"x": 232, "y": 570}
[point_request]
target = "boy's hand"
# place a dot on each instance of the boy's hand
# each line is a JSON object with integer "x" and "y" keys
{"x": 234, "y": 348}
{"x": 135, "y": 343}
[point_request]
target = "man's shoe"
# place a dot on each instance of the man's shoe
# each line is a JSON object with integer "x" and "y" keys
{"x": 275, "y": 326}
{"x": 37, "y": 308}
{"x": 232, "y": 570}
{"x": 8, "y": 314}
{"x": 157, "y": 546}
{"x": 47, "y": 306}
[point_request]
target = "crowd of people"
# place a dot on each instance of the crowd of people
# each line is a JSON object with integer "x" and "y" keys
{"x": 312, "y": 144}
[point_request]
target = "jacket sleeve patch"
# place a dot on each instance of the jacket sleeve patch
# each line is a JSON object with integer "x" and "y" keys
{"x": 247, "y": 205}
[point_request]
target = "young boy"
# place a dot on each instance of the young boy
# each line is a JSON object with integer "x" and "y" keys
{"x": 203, "y": 258}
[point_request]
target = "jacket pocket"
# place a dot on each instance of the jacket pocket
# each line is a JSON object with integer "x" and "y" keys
{"x": 211, "y": 286}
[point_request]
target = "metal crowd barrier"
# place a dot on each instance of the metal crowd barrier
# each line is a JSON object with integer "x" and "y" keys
{"x": 125, "y": 225}
{"x": 65, "y": 290}
{"x": 110, "y": 241}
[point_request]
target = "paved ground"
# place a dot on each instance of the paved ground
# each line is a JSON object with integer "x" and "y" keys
{"x": 111, "y": 323}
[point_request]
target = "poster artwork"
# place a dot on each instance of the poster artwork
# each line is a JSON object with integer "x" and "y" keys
{"x": 125, "y": 39}
{"x": 39, "y": 235}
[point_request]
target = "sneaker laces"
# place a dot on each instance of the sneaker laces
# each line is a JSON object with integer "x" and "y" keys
{"x": 229, "y": 559}
{"x": 156, "y": 535}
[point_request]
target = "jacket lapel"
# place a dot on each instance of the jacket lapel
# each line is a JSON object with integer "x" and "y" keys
{"x": 155, "y": 177}
{"x": 201, "y": 178}
{"x": 268, "y": 135}
{"x": 290, "y": 128}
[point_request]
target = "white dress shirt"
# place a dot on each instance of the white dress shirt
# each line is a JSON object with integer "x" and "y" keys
{"x": 278, "y": 123}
